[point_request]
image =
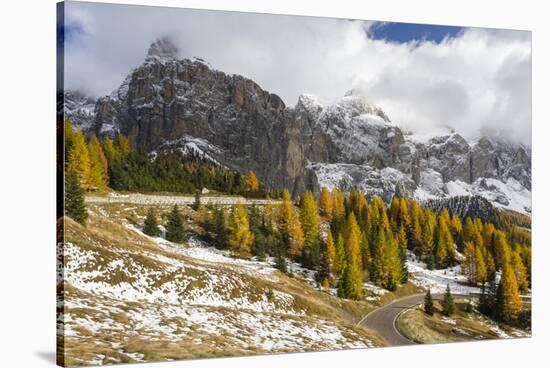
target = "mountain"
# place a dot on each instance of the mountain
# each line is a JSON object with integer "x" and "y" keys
{"x": 172, "y": 103}
{"x": 79, "y": 108}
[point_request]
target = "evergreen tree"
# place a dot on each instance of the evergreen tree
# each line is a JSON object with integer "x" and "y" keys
{"x": 508, "y": 300}
{"x": 175, "y": 232}
{"x": 150, "y": 226}
{"x": 448, "y": 304}
{"x": 219, "y": 228}
{"x": 252, "y": 182}
{"x": 309, "y": 219}
{"x": 429, "y": 303}
{"x": 79, "y": 160}
{"x": 240, "y": 236}
{"x": 197, "y": 204}
{"x": 75, "y": 207}
{"x": 325, "y": 202}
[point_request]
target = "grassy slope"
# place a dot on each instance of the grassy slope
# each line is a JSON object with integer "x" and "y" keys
{"x": 463, "y": 326}
{"x": 102, "y": 327}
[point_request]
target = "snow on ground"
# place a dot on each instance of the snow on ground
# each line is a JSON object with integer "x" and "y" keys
{"x": 437, "y": 280}
{"x": 510, "y": 195}
{"x": 191, "y": 295}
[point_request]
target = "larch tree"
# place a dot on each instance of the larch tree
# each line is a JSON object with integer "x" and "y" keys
{"x": 508, "y": 300}
{"x": 290, "y": 226}
{"x": 79, "y": 159}
{"x": 481, "y": 268}
{"x": 352, "y": 280}
{"x": 122, "y": 147}
{"x": 468, "y": 264}
{"x": 74, "y": 207}
{"x": 331, "y": 255}
{"x": 325, "y": 202}
{"x": 108, "y": 149}
{"x": 502, "y": 249}
{"x": 519, "y": 270}
{"x": 340, "y": 262}
{"x": 240, "y": 236}
{"x": 309, "y": 218}
{"x": 338, "y": 207}
{"x": 175, "y": 231}
{"x": 150, "y": 226}
{"x": 252, "y": 181}
{"x": 99, "y": 171}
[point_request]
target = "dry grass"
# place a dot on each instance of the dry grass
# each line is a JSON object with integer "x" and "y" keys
{"x": 424, "y": 329}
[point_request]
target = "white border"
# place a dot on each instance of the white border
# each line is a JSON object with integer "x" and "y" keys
{"x": 27, "y": 209}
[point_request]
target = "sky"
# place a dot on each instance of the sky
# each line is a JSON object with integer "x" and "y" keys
{"x": 426, "y": 78}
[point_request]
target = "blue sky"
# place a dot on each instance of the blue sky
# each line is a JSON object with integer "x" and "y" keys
{"x": 405, "y": 32}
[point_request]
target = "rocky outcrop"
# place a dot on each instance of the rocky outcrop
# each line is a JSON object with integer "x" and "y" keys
{"x": 168, "y": 102}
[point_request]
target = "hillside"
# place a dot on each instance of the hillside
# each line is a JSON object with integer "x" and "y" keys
{"x": 127, "y": 297}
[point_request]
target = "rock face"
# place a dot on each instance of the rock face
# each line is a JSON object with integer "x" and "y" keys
{"x": 169, "y": 102}
{"x": 80, "y": 109}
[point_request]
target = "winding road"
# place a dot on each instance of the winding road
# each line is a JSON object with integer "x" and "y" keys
{"x": 384, "y": 319}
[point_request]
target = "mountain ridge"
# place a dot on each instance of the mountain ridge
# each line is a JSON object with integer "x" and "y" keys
{"x": 350, "y": 143}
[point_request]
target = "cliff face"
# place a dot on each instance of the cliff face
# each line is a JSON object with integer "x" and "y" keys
{"x": 169, "y": 102}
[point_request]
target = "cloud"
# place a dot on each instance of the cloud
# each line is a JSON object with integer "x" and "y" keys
{"x": 476, "y": 82}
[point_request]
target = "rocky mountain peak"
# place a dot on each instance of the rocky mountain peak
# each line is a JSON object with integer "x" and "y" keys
{"x": 162, "y": 49}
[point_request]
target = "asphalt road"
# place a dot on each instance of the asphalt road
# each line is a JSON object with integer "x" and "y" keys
{"x": 383, "y": 320}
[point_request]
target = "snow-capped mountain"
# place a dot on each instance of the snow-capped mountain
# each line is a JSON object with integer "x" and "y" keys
{"x": 171, "y": 103}
{"x": 80, "y": 109}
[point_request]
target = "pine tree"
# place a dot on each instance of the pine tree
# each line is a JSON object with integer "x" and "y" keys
{"x": 175, "y": 232}
{"x": 252, "y": 182}
{"x": 325, "y": 202}
{"x": 290, "y": 226}
{"x": 240, "y": 236}
{"x": 75, "y": 207}
{"x": 508, "y": 301}
{"x": 150, "y": 226}
{"x": 219, "y": 228}
{"x": 197, "y": 203}
{"x": 309, "y": 219}
{"x": 448, "y": 304}
{"x": 429, "y": 303}
{"x": 79, "y": 160}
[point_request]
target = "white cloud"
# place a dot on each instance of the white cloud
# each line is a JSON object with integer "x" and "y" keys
{"x": 478, "y": 81}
